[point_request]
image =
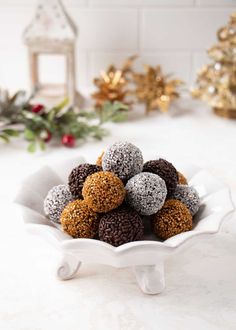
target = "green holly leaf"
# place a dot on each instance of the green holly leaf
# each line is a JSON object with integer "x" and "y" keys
{"x": 29, "y": 134}
{"x": 32, "y": 147}
{"x": 117, "y": 106}
{"x": 119, "y": 117}
{"x": 110, "y": 112}
{"x": 61, "y": 105}
{"x": 88, "y": 114}
{"x": 11, "y": 132}
{"x": 42, "y": 145}
{"x": 4, "y": 138}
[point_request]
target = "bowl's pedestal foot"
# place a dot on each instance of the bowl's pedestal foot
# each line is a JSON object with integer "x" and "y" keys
{"x": 151, "y": 279}
{"x": 68, "y": 267}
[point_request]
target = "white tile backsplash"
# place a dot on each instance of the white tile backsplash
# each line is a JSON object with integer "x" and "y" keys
{"x": 143, "y": 3}
{"x": 178, "y": 64}
{"x": 172, "y": 33}
{"x": 181, "y": 29}
{"x": 215, "y": 3}
{"x": 115, "y": 29}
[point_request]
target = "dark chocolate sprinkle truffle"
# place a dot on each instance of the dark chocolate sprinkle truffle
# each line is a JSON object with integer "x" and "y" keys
{"x": 189, "y": 196}
{"x": 124, "y": 159}
{"x": 121, "y": 226}
{"x": 146, "y": 193}
{"x": 174, "y": 218}
{"x": 78, "y": 176}
{"x": 57, "y": 198}
{"x": 103, "y": 191}
{"x": 79, "y": 221}
{"x": 165, "y": 170}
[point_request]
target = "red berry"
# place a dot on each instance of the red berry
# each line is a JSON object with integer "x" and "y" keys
{"x": 68, "y": 140}
{"x": 37, "y": 108}
{"x": 46, "y": 136}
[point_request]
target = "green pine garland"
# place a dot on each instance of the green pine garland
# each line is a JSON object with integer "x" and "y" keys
{"x": 17, "y": 119}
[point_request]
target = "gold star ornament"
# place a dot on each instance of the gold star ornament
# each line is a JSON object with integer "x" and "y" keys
{"x": 154, "y": 89}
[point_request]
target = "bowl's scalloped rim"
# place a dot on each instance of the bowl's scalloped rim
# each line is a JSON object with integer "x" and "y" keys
{"x": 69, "y": 245}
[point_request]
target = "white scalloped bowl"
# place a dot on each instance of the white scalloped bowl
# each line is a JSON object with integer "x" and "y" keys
{"x": 147, "y": 256}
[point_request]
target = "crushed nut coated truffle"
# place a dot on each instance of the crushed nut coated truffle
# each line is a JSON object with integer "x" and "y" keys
{"x": 121, "y": 226}
{"x": 99, "y": 160}
{"x": 79, "y": 221}
{"x": 124, "y": 159}
{"x": 174, "y": 218}
{"x": 189, "y": 196}
{"x": 166, "y": 171}
{"x": 146, "y": 193}
{"x": 182, "y": 179}
{"x": 103, "y": 191}
{"x": 77, "y": 177}
{"x": 57, "y": 198}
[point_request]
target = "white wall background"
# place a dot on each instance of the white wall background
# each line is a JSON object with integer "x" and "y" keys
{"x": 173, "y": 33}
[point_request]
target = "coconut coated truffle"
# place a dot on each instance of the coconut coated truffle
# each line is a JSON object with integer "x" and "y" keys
{"x": 121, "y": 226}
{"x": 77, "y": 177}
{"x": 103, "y": 191}
{"x": 189, "y": 196}
{"x": 146, "y": 193}
{"x": 182, "y": 179}
{"x": 124, "y": 159}
{"x": 79, "y": 221}
{"x": 165, "y": 170}
{"x": 174, "y": 218}
{"x": 57, "y": 198}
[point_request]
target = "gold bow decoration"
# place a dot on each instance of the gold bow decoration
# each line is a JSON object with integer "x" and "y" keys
{"x": 152, "y": 88}
{"x": 113, "y": 84}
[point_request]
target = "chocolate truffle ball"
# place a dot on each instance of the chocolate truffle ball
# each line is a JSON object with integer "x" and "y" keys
{"x": 77, "y": 177}
{"x": 99, "y": 160}
{"x": 189, "y": 196}
{"x": 79, "y": 221}
{"x": 124, "y": 159}
{"x": 174, "y": 218}
{"x": 103, "y": 191}
{"x": 165, "y": 170}
{"x": 146, "y": 193}
{"x": 182, "y": 179}
{"x": 121, "y": 226}
{"x": 57, "y": 198}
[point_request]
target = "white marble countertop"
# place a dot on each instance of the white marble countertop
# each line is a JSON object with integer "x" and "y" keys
{"x": 200, "y": 283}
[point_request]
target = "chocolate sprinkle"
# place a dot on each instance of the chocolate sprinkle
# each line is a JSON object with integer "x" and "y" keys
{"x": 165, "y": 170}
{"x": 121, "y": 226}
{"x": 77, "y": 177}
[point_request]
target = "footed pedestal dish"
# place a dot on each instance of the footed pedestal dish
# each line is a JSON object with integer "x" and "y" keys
{"x": 146, "y": 257}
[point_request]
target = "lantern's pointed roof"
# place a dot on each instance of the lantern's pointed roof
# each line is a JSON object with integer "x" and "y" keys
{"x": 51, "y": 23}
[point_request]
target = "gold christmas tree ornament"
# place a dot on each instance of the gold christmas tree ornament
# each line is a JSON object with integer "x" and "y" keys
{"x": 216, "y": 82}
{"x": 154, "y": 89}
{"x": 112, "y": 84}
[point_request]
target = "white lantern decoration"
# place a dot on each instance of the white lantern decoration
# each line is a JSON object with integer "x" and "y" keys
{"x": 51, "y": 32}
